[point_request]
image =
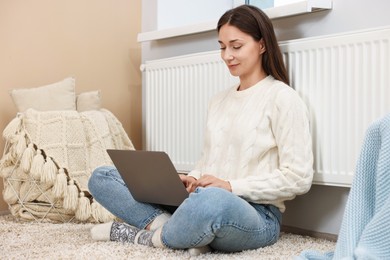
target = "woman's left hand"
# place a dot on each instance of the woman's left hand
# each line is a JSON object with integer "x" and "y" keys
{"x": 212, "y": 181}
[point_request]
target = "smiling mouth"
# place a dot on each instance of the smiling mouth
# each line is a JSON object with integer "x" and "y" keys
{"x": 232, "y": 66}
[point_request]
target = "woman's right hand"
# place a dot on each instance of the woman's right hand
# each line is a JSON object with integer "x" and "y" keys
{"x": 188, "y": 182}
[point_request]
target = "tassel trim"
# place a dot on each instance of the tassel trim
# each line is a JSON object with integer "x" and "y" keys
{"x": 49, "y": 172}
{"x": 37, "y": 165}
{"x": 71, "y": 198}
{"x": 19, "y": 145}
{"x": 83, "y": 211}
{"x": 60, "y": 184}
{"x": 27, "y": 157}
{"x": 12, "y": 128}
{"x": 43, "y": 168}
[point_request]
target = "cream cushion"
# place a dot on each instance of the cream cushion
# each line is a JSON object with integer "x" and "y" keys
{"x": 90, "y": 100}
{"x": 56, "y": 96}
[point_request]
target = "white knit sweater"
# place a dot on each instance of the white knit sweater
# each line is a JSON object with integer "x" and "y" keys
{"x": 259, "y": 140}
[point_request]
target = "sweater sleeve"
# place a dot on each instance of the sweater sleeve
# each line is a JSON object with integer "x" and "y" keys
{"x": 290, "y": 127}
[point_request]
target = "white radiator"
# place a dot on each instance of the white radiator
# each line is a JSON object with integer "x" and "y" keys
{"x": 344, "y": 80}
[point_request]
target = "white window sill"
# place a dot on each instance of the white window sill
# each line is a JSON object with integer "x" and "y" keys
{"x": 298, "y": 8}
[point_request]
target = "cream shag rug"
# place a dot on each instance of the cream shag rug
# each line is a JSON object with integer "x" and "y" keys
{"x": 37, "y": 240}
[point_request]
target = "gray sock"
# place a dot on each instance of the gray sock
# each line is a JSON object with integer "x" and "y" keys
{"x": 125, "y": 233}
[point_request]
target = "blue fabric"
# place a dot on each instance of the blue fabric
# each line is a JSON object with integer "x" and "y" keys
{"x": 365, "y": 232}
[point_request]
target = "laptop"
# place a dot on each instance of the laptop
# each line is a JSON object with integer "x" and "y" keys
{"x": 150, "y": 176}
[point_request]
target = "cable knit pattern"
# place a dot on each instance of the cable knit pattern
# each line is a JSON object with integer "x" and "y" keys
{"x": 259, "y": 140}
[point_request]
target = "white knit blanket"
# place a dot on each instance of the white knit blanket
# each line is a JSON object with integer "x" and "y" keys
{"x": 49, "y": 157}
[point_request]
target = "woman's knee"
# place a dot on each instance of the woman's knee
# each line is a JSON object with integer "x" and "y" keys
{"x": 98, "y": 177}
{"x": 212, "y": 201}
{"x": 212, "y": 195}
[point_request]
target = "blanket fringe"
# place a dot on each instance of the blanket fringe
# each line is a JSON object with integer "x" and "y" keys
{"x": 46, "y": 171}
{"x": 27, "y": 157}
{"x": 83, "y": 211}
{"x": 12, "y": 128}
{"x": 50, "y": 171}
{"x": 60, "y": 184}
{"x": 6, "y": 161}
{"x": 35, "y": 181}
{"x": 71, "y": 198}
{"x": 20, "y": 145}
{"x": 37, "y": 165}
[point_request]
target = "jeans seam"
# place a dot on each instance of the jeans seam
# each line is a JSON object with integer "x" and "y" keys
{"x": 201, "y": 238}
{"x": 228, "y": 224}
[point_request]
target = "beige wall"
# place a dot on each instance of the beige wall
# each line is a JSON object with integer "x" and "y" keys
{"x": 44, "y": 41}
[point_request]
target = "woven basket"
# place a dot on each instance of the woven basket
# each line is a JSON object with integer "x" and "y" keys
{"x": 48, "y": 159}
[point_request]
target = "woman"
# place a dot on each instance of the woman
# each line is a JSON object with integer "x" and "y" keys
{"x": 256, "y": 155}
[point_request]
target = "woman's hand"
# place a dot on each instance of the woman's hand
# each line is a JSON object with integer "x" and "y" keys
{"x": 212, "y": 181}
{"x": 188, "y": 182}
{"x": 205, "y": 181}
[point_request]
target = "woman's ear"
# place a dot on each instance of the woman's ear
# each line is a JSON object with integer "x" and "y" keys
{"x": 262, "y": 46}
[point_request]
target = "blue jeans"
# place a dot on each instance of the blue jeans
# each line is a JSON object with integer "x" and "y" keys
{"x": 209, "y": 216}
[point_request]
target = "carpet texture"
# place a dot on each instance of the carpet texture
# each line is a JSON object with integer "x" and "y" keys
{"x": 37, "y": 240}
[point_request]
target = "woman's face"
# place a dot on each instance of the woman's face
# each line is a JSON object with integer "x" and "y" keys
{"x": 241, "y": 53}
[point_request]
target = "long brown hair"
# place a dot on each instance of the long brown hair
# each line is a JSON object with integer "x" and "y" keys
{"x": 251, "y": 20}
